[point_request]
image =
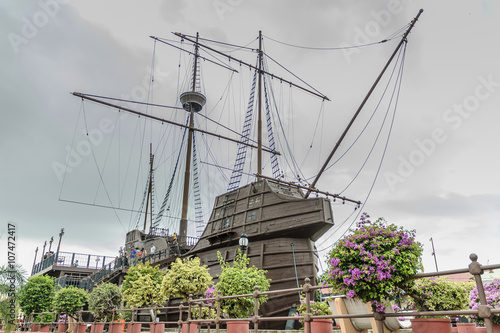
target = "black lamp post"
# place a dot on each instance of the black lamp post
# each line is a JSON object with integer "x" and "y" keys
{"x": 243, "y": 242}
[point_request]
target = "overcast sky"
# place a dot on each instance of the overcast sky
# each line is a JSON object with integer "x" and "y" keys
{"x": 440, "y": 171}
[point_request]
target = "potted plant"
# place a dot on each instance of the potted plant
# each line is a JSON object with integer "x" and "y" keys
{"x": 36, "y": 296}
{"x": 437, "y": 294}
{"x": 374, "y": 262}
{"x": 69, "y": 300}
{"x": 186, "y": 277}
{"x": 103, "y": 299}
{"x": 141, "y": 288}
{"x": 492, "y": 292}
{"x": 240, "y": 279}
{"x": 316, "y": 308}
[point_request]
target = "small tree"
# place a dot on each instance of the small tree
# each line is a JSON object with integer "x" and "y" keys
{"x": 69, "y": 300}
{"x": 186, "y": 277}
{"x": 238, "y": 280}
{"x": 439, "y": 294}
{"x": 103, "y": 299}
{"x": 11, "y": 279}
{"x": 37, "y": 296}
{"x": 141, "y": 287}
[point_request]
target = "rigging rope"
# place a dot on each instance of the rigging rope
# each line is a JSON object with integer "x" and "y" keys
{"x": 239, "y": 163}
{"x": 398, "y": 82}
{"x": 156, "y": 224}
{"x": 98, "y": 170}
{"x": 200, "y": 225}
{"x": 389, "y": 38}
{"x": 383, "y": 122}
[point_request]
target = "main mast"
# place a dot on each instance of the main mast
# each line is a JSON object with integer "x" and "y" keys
{"x": 259, "y": 119}
{"x": 192, "y": 101}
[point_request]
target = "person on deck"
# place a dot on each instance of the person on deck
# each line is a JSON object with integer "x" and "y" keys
{"x": 133, "y": 252}
{"x": 152, "y": 252}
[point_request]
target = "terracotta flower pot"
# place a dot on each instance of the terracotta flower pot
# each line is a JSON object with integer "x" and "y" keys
{"x": 237, "y": 327}
{"x": 193, "y": 328}
{"x": 134, "y": 328}
{"x": 35, "y": 328}
{"x": 80, "y": 328}
{"x": 496, "y": 329}
{"x": 466, "y": 327}
{"x": 434, "y": 325}
{"x": 62, "y": 328}
{"x": 117, "y": 327}
{"x": 97, "y": 328}
{"x": 158, "y": 328}
{"x": 320, "y": 326}
{"x": 45, "y": 328}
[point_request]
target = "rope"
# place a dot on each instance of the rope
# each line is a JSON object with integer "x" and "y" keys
{"x": 400, "y": 75}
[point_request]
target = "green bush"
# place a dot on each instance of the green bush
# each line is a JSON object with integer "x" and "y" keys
{"x": 141, "y": 287}
{"x": 69, "y": 300}
{"x": 37, "y": 296}
{"x": 103, "y": 299}
{"x": 186, "y": 277}
{"x": 439, "y": 294}
{"x": 238, "y": 280}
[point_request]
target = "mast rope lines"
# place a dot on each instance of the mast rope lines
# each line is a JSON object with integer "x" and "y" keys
{"x": 162, "y": 120}
{"x": 403, "y": 41}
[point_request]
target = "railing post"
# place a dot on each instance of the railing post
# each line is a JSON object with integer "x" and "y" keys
{"x": 256, "y": 318}
{"x": 484, "y": 310}
{"x": 180, "y": 318}
{"x": 218, "y": 319}
{"x": 190, "y": 300}
{"x": 306, "y": 289}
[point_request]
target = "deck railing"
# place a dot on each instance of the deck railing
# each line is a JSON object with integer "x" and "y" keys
{"x": 185, "y": 310}
{"x": 71, "y": 259}
{"x": 173, "y": 250}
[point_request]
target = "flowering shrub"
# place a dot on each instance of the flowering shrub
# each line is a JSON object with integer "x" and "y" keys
{"x": 492, "y": 291}
{"x": 317, "y": 309}
{"x": 439, "y": 294}
{"x": 374, "y": 261}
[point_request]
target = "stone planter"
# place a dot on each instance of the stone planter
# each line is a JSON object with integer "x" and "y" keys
{"x": 434, "y": 325}
{"x": 237, "y": 326}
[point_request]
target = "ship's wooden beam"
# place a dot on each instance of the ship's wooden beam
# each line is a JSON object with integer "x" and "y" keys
{"x": 320, "y": 95}
{"x": 85, "y": 96}
{"x": 312, "y": 189}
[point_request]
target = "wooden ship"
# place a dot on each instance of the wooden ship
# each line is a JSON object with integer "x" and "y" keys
{"x": 275, "y": 222}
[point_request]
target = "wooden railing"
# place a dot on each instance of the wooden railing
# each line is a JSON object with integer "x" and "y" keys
{"x": 185, "y": 310}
